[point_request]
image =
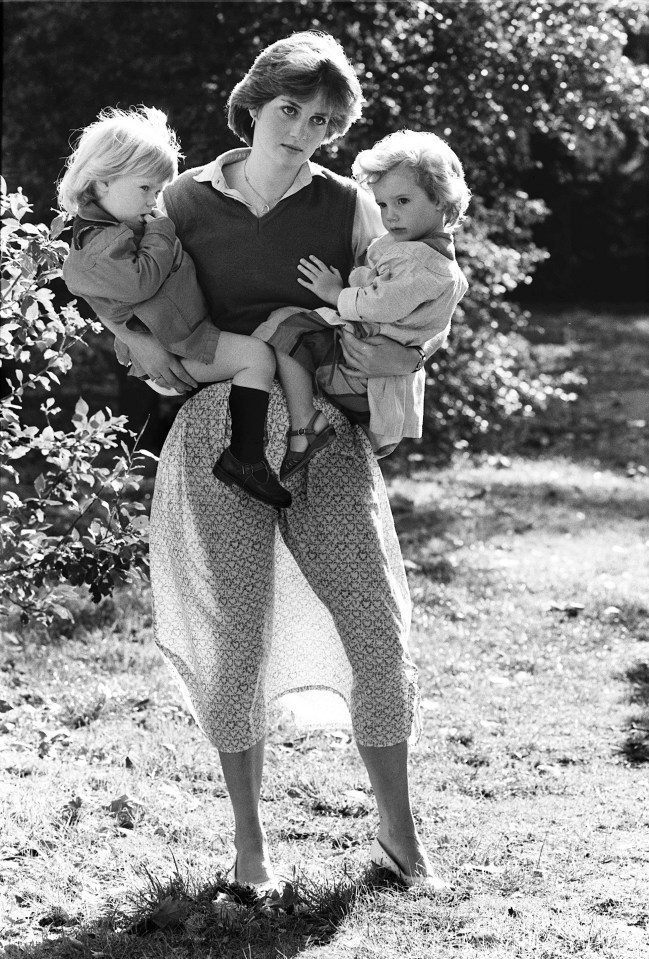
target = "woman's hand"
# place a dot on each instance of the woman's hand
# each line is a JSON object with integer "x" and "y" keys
{"x": 325, "y": 281}
{"x": 377, "y": 356}
{"x": 162, "y": 367}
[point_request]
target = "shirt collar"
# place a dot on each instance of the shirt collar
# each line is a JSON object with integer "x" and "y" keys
{"x": 95, "y": 213}
{"x": 442, "y": 242}
{"x": 89, "y": 217}
{"x": 213, "y": 173}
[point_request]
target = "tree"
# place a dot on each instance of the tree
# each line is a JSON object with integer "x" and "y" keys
{"x": 539, "y": 99}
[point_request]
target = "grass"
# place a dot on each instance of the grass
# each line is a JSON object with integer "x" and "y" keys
{"x": 531, "y": 631}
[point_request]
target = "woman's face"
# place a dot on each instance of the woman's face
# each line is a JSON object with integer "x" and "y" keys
{"x": 289, "y": 131}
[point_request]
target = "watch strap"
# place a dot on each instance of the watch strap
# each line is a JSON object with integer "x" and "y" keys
{"x": 422, "y": 359}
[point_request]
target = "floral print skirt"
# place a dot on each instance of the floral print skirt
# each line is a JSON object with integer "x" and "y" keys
{"x": 251, "y": 604}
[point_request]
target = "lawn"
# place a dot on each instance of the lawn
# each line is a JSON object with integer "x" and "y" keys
{"x": 531, "y": 632}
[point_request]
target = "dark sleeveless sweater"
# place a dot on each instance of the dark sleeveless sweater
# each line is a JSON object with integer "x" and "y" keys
{"x": 247, "y": 266}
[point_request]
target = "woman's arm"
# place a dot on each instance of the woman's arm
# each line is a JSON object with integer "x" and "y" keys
{"x": 378, "y": 356}
{"x": 162, "y": 367}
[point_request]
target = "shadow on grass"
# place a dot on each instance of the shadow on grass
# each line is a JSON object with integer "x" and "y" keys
{"x": 220, "y": 919}
{"x": 609, "y": 347}
{"x": 635, "y": 748}
{"x": 515, "y": 507}
{"x": 630, "y": 504}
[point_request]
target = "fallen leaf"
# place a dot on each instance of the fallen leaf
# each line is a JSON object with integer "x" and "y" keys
{"x": 611, "y": 612}
{"x": 491, "y": 870}
{"x": 125, "y": 809}
{"x": 570, "y": 609}
{"x": 170, "y": 913}
{"x": 195, "y": 923}
{"x": 355, "y": 796}
{"x": 226, "y": 908}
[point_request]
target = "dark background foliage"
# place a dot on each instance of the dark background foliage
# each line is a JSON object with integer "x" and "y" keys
{"x": 541, "y": 96}
{"x": 546, "y": 103}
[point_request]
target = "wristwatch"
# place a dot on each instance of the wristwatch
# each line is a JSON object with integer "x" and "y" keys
{"x": 422, "y": 359}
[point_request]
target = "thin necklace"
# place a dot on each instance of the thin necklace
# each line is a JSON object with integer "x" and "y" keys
{"x": 267, "y": 203}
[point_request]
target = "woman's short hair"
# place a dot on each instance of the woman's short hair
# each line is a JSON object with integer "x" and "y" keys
{"x": 436, "y": 168}
{"x": 135, "y": 142}
{"x": 303, "y": 66}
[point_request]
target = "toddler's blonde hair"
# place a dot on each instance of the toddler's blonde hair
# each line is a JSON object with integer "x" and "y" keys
{"x": 135, "y": 142}
{"x": 436, "y": 169}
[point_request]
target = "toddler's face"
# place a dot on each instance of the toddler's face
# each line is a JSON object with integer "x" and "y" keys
{"x": 130, "y": 198}
{"x": 407, "y": 211}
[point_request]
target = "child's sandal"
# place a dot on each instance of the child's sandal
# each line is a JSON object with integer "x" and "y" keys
{"x": 296, "y": 460}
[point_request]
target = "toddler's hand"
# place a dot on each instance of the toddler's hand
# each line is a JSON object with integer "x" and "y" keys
{"x": 325, "y": 281}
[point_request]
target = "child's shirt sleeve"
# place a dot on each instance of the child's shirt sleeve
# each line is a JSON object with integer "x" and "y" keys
{"x": 123, "y": 269}
{"x": 397, "y": 286}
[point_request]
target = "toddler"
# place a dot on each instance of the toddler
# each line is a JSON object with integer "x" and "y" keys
{"x": 407, "y": 290}
{"x": 127, "y": 263}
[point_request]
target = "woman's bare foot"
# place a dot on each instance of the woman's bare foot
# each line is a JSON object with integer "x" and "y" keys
{"x": 253, "y": 866}
{"x": 405, "y": 857}
{"x": 408, "y": 851}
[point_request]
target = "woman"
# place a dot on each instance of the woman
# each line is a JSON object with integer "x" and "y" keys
{"x": 248, "y": 606}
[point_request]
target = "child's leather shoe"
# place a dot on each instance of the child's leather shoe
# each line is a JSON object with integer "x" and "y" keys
{"x": 257, "y": 479}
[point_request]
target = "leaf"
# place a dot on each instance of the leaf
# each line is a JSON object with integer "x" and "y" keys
{"x": 140, "y": 524}
{"x": 570, "y": 609}
{"x": 170, "y": 913}
{"x": 81, "y": 409}
{"x": 126, "y": 810}
{"x": 489, "y": 869}
{"x": 224, "y": 907}
{"x": 19, "y": 205}
{"x": 29, "y": 310}
{"x": 58, "y": 225}
{"x": 17, "y": 452}
{"x": 62, "y": 612}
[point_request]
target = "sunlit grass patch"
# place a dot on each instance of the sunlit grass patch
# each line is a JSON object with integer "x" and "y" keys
{"x": 530, "y": 632}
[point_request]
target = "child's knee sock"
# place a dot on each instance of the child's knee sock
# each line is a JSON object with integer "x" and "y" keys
{"x": 248, "y": 408}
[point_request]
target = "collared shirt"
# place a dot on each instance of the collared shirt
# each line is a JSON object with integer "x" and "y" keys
{"x": 367, "y": 223}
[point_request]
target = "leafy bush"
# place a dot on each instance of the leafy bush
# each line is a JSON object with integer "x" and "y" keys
{"x": 68, "y": 513}
{"x": 487, "y": 379}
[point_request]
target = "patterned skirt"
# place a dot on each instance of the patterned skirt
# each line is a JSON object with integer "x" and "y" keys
{"x": 250, "y": 605}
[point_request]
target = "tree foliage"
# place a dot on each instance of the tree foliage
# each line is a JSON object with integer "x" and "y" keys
{"x": 539, "y": 96}
{"x": 548, "y": 97}
{"x": 540, "y": 101}
{"x": 68, "y": 515}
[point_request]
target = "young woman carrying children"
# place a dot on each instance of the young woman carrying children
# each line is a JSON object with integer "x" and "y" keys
{"x": 250, "y": 604}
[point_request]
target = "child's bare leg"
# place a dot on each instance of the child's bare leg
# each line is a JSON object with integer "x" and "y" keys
{"x": 246, "y": 361}
{"x": 250, "y": 364}
{"x": 298, "y": 387}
